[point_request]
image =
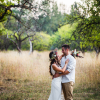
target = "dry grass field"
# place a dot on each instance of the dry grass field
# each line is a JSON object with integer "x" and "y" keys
{"x": 26, "y": 77}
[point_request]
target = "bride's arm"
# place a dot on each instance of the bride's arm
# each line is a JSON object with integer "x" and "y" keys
{"x": 60, "y": 57}
{"x": 58, "y": 69}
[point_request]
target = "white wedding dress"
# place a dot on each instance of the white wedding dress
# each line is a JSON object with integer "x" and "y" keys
{"x": 56, "y": 87}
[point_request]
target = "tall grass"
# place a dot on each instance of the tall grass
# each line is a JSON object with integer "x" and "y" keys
{"x": 15, "y": 66}
{"x": 88, "y": 71}
{"x": 24, "y": 67}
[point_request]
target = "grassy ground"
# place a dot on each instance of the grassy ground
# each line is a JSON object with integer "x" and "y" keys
{"x": 81, "y": 93}
{"x": 25, "y": 90}
{"x": 32, "y": 90}
{"x": 26, "y": 77}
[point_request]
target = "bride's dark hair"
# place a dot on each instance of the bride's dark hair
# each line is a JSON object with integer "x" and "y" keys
{"x": 52, "y": 61}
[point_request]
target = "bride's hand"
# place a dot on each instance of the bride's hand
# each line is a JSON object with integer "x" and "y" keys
{"x": 66, "y": 62}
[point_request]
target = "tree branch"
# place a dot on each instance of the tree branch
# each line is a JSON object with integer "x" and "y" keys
{"x": 14, "y": 43}
{"x": 28, "y": 37}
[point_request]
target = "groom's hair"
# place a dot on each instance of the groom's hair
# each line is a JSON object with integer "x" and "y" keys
{"x": 66, "y": 46}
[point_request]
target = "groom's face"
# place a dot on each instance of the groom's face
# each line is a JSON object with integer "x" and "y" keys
{"x": 64, "y": 51}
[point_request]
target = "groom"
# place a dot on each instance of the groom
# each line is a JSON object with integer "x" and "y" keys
{"x": 68, "y": 77}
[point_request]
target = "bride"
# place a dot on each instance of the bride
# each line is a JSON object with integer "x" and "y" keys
{"x": 55, "y": 67}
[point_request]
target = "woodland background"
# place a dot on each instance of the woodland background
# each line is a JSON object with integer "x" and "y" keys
{"x": 30, "y": 29}
{"x": 28, "y": 24}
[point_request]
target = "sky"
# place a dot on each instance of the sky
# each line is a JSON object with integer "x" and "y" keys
{"x": 67, "y": 4}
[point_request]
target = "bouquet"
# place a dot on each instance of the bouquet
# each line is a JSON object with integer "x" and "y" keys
{"x": 75, "y": 54}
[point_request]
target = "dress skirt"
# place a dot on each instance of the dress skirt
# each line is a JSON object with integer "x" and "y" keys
{"x": 56, "y": 89}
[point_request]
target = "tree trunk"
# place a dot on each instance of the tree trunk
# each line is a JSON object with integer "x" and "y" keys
{"x": 83, "y": 53}
{"x": 6, "y": 47}
{"x": 97, "y": 52}
{"x": 19, "y": 44}
{"x": 31, "y": 46}
{"x": 19, "y": 50}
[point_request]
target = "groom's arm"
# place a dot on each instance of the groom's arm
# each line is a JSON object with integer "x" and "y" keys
{"x": 69, "y": 69}
{"x": 65, "y": 73}
{"x": 71, "y": 66}
{"x": 60, "y": 74}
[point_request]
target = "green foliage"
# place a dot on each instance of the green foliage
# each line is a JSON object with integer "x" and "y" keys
{"x": 88, "y": 19}
{"x": 25, "y": 45}
{"x": 62, "y": 36}
{"x": 3, "y": 11}
{"x": 51, "y": 21}
{"x": 4, "y": 41}
{"x": 2, "y": 1}
{"x": 41, "y": 42}
{"x": 1, "y": 28}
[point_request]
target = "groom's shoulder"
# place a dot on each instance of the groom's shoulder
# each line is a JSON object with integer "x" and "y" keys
{"x": 71, "y": 57}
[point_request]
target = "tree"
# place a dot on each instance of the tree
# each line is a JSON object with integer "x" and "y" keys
{"x": 51, "y": 21}
{"x": 41, "y": 41}
{"x": 6, "y": 7}
{"x": 5, "y": 43}
{"x": 26, "y": 17}
{"x": 22, "y": 28}
{"x": 88, "y": 19}
{"x": 21, "y": 33}
{"x": 62, "y": 36}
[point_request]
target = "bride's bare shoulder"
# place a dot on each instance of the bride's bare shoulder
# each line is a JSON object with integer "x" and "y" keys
{"x": 53, "y": 65}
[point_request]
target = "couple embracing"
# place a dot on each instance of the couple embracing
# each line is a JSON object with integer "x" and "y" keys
{"x": 63, "y": 74}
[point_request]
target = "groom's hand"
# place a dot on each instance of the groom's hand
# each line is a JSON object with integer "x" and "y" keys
{"x": 56, "y": 75}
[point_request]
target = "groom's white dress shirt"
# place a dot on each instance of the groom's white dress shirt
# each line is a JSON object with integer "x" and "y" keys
{"x": 70, "y": 67}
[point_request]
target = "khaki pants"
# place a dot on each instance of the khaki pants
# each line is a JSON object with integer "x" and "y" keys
{"x": 68, "y": 90}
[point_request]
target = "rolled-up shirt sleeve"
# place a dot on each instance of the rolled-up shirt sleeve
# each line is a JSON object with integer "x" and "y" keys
{"x": 71, "y": 66}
